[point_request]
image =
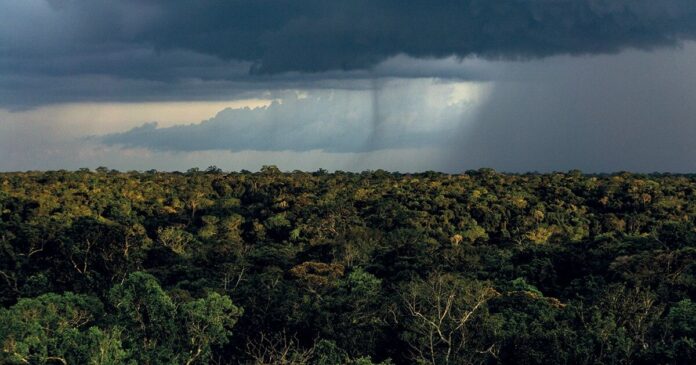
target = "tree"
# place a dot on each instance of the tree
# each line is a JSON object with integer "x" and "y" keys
{"x": 440, "y": 314}
{"x": 149, "y": 314}
{"x": 57, "y": 328}
{"x": 680, "y": 330}
{"x": 208, "y": 321}
{"x": 277, "y": 349}
{"x": 164, "y": 332}
{"x": 355, "y": 312}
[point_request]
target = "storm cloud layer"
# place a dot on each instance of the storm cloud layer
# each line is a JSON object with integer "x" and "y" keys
{"x": 635, "y": 111}
{"x": 71, "y": 50}
{"x": 600, "y": 85}
{"x": 318, "y": 35}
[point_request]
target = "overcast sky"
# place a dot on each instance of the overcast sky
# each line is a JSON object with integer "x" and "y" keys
{"x": 516, "y": 85}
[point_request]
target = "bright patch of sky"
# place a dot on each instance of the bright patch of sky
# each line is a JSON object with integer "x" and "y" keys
{"x": 413, "y": 116}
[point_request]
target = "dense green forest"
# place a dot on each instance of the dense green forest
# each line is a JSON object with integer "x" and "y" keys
{"x": 104, "y": 267}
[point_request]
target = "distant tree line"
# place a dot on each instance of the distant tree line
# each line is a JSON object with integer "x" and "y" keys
{"x": 104, "y": 267}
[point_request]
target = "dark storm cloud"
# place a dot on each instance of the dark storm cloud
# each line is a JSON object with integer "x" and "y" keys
{"x": 635, "y": 111}
{"x": 319, "y": 35}
{"x": 215, "y": 42}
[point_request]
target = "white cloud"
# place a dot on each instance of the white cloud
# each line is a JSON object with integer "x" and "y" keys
{"x": 99, "y": 118}
{"x": 392, "y": 114}
{"x": 307, "y": 129}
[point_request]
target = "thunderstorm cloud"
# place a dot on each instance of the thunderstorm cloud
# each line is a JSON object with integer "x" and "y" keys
{"x": 68, "y": 50}
{"x": 600, "y": 85}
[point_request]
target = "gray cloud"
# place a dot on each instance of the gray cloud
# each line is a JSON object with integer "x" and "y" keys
{"x": 317, "y": 35}
{"x": 176, "y": 49}
{"x": 38, "y": 145}
{"x": 633, "y": 112}
{"x": 577, "y": 84}
{"x": 394, "y": 114}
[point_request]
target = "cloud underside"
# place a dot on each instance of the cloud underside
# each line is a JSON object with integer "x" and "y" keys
{"x": 632, "y": 111}
{"x": 318, "y": 35}
{"x": 64, "y": 50}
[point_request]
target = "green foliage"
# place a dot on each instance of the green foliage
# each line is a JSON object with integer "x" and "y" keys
{"x": 108, "y": 349}
{"x": 520, "y": 284}
{"x": 162, "y": 332}
{"x": 680, "y": 325}
{"x": 682, "y": 319}
{"x": 208, "y": 322}
{"x": 56, "y": 328}
{"x": 176, "y": 239}
{"x": 148, "y": 312}
{"x": 327, "y": 353}
{"x": 350, "y": 268}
